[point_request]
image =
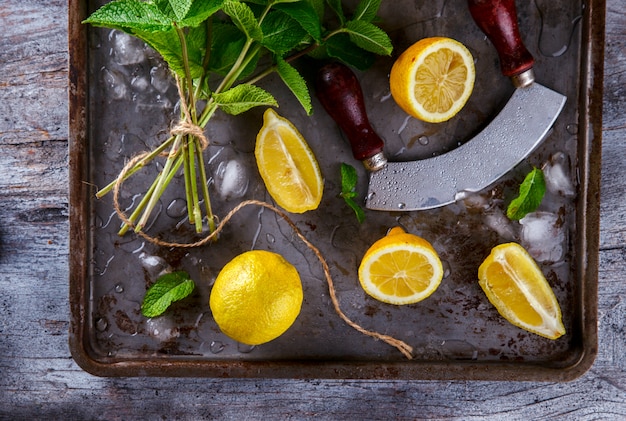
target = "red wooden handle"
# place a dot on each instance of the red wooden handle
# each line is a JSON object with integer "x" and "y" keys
{"x": 339, "y": 92}
{"x": 498, "y": 20}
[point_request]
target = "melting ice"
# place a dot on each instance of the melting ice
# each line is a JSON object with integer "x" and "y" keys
{"x": 557, "y": 176}
{"x": 127, "y": 49}
{"x": 543, "y": 235}
{"x": 231, "y": 179}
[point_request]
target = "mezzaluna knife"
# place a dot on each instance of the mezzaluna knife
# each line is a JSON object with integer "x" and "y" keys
{"x": 523, "y": 123}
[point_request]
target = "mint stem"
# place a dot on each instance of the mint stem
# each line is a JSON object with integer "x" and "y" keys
{"x": 160, "y": 187}
{"x": 156, "y": 152}
{"x": 142, "y": 204}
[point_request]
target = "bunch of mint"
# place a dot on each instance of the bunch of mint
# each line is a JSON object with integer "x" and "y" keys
{"x": 202, "y": 39}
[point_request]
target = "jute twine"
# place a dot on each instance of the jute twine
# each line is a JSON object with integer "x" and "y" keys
{"x": 186, "y": 127}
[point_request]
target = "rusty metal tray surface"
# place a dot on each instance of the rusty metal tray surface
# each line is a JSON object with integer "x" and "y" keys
{"x": 122, "y": 103}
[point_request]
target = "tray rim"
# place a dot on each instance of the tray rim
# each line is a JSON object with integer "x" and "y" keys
{"x": 587, "y": 246}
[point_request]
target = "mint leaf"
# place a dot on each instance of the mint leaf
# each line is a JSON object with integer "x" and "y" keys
{"x": 180, "y": 8}
{"x": 201, "y": 10}
{"x": 130, "y": 14}
{"x": 167, "y": 44}
{"x": 318, "y": 6}
{"x": 531, "y": 193}
{"x": 242, "y": 98}
{"x": 366, "y": 10}
{"x": 340, "y": 47}
{"x": 168, "y": 288}
{"x": 226, "y": 45}
{"x": 369, "y": 37}
{"x": 244, "y": 19}
{"x": 335, "y": 5}
{"x": 296, "y": 84}
{"x": 306, "y": 16}
{"x": 358, "y": 211}
{"x": 349, "y": 179}
{"x": 281, "y": 33}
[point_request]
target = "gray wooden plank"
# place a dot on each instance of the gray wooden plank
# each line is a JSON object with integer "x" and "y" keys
{"x": 38, "y": 377}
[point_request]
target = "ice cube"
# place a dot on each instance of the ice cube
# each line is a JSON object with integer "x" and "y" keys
{"x": 140, "y": 83}
{"x": 231, "y": 179}
{"x": 160, "y": 78}
{"x": 557, "y": 176}
{"x": 154, "y": 265}
{"x": 114, "y": 83}
{"x": 162, "y": 328}
{"x": 127, "y": 49}
{"x": 543, "y": 236}
{"x": 497, "y": 221}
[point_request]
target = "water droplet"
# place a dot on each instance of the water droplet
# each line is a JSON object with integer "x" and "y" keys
{"x": 404, "y": 124}
{"x": 401, "y": 205}
{"x": 572, "y": 129}
{"x": 119, "y": 288}
{"x": 216, "y": 347}
{"x": 245, "y": 349}
{"x": 177, "y": 208}
{"x": 446, "y": 268}
{"x": 197, "y": 323}
{"x": 102, "y": 324}
{"x": 558, "y": 23}
{"x": 423, "y": 140}
{"x": 138, "y": 249}
{"x": 103, "y": 270}
{"x": 270, "y": 238}
{"x": 459, "y": 349}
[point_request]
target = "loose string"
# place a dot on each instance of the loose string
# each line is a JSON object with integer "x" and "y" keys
{"x": 403, "y": 347}
{"x": 187, "y": 127}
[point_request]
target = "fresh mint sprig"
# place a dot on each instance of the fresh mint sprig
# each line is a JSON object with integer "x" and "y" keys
{"x": 531, "y": 194}
{"x": 167, "y": 289}
{"x": 349, "y": 180}
{"x": 198, "y": 43}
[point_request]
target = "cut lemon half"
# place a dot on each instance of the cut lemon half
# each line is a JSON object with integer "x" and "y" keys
{"x": 287, "y": 165}
{"x": 400, "y": 268}
{"x": 433, "y": 79}
{"x": 515, "y": 285}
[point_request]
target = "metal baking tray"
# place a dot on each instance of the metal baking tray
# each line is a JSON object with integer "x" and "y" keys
{"x": 121, "y": 103}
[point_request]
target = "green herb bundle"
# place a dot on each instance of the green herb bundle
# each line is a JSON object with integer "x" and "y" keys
{"x": 202, "y": 39}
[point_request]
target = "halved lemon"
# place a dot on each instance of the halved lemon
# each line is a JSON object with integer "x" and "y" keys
{"x": 400, "y": 268}
{"x": 287, "y": 165}
{"x": 433, "y": 79}
{"x": 515, "y": 285}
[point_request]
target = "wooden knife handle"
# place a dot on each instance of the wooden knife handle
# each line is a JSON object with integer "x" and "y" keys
{"x": 498, "y": 20}
{"x": 339, "y": 92}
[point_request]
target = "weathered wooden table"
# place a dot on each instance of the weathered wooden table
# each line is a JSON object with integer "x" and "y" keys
{"x": 38, "y": 378}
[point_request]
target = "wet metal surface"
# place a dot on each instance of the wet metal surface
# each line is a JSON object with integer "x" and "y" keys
{"x": 122, "y": 102}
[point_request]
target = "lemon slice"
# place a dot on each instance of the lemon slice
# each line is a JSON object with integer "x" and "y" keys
{"x": 515, "y": 285}
{"x": 433, "y": 79}
{"x": 287, "y": 165}
{"x": 400, "y": 268}
{"x": 256, "y": 297}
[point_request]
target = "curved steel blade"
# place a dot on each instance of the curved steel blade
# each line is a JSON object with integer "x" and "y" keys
{"x": 516, "y": 131}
